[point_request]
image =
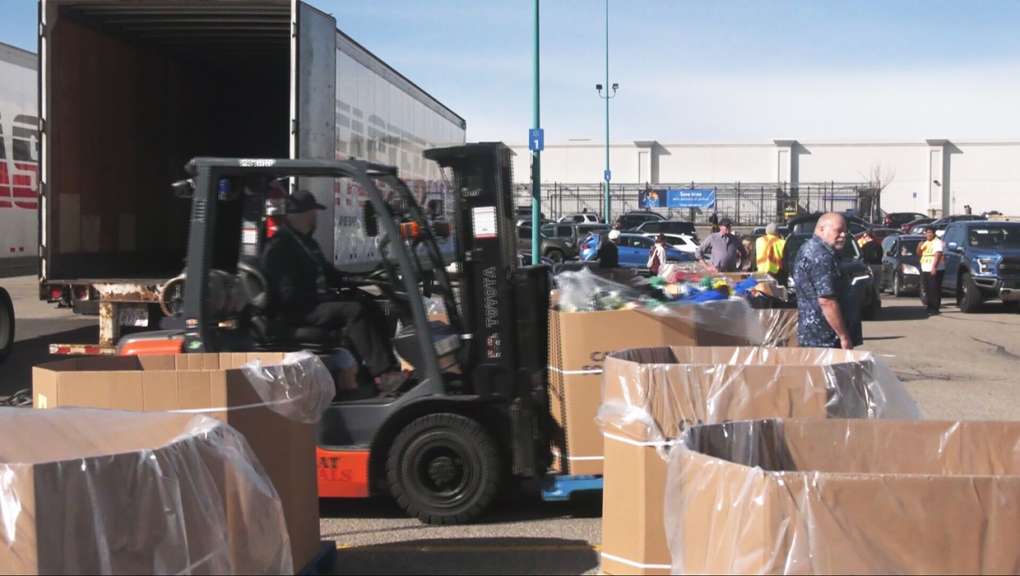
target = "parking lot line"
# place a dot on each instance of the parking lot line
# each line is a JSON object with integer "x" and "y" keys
{"x": 468, "y": 549}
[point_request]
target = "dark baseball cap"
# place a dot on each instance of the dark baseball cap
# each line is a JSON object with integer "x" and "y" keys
{"x": 302, "y": 201}
{"x": 726, "y": 222}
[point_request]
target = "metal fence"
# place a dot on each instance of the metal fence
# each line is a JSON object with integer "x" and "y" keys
{"x": 744, "y": 203}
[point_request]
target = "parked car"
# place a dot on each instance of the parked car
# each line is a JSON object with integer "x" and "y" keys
{"x": 676, "y": 227}
{"x": 556, "y": 249}
{"x": 879, "y": 234}
{"x": 806, "y": 224}
{"x": 523, "y": 215}
{"x": 919, "y": 224}
{"x": 633, "y": 250}
{"x": 758, "y": 231}
{"x": 982, "y": 263}
{"x": 901, "y": 266}
{"x": 681, "y": 242}
{"x": 898, "y": 219}
{"x": 573, "y": 231}
{"x": 853, "y": 263}
{"x": 941, "y": 224}
{"x": 580, "y": 217}
{"x": 631, "y": 220}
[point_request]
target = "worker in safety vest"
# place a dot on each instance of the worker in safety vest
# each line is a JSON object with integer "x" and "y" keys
{"x": 769, "y": 251}
{"x": 933, "y": 269}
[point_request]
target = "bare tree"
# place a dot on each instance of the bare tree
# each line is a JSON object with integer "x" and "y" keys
{"x": 878, "y": 179}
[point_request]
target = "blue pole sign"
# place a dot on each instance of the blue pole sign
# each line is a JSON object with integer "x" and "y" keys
{"x": 607, "y": 175}
{"x": 536, "y": 139}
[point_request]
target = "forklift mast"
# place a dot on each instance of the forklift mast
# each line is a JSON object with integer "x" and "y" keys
{"x": 504, "y": 306}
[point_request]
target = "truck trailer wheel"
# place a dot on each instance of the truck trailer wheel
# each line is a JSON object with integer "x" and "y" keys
{"x": 6, "y": 325}
{"x": 444, "y": 469}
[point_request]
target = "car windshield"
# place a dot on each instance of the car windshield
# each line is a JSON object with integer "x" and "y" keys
{"x": 994, "y": 237}
{"x": 908, "y": 247}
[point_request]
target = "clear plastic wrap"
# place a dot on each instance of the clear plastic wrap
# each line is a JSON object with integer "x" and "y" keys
{"x": 299, "y": 387}
{"x": 653, "y": 394}
{"x": 845, "y": 497}
{"x": 89, "y": 491}
{"x": 779, "y": 326}
{"x": 585, "y": 291}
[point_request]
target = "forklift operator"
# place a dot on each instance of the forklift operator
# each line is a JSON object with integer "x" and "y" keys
{"x": 307, "y": 291}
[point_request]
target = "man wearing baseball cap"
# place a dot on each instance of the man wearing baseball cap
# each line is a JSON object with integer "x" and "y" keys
{"x": 305, "y": 287}
{"x": 726, "y": 249}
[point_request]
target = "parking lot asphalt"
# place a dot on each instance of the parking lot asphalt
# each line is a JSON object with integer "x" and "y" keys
{"x": 956, "y": 366}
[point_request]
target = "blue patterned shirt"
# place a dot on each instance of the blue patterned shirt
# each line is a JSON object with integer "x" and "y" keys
{"x": 818, "y": 272}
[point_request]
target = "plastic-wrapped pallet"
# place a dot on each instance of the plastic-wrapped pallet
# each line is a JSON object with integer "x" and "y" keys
{"x": 91, "y": 491}
{"x": 651, "y": 395}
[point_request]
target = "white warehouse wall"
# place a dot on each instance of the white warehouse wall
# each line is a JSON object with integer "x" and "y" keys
{"x": 983, "y": 174}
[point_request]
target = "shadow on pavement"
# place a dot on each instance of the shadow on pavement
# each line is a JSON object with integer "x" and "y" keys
{"x": 511, "y": 555}
{"x": 16, "y": 373}
{"x": 893, "y": 313}
{"x": 520, "y": 505}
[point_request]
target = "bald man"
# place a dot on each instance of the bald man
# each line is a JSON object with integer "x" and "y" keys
{"x": 828, "y": 310}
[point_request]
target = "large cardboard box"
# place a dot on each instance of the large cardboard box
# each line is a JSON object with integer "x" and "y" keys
{"x": 580, "y": 341}
{"x": 651, "y": 395}
{"x": 846, "y": 497}
{"x": 111, "y": 492}
{"x": 210, "y": 384}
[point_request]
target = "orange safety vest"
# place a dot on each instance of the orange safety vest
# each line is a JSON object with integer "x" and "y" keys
{"x": 770, "y": 253}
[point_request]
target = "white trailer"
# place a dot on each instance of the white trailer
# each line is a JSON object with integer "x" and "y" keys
{"x": 19, "y": 190}
{"x": 130, "y": 91}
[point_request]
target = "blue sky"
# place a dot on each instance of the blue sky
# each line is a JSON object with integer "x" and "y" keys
{"x": 707, "y": 71}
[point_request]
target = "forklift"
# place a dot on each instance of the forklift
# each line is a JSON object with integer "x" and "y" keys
{"x": 474, "y": 412}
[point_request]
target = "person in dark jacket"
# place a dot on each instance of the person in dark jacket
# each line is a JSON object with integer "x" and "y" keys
{"x": 306, "y": 291}
{"x": 608, "y": 254}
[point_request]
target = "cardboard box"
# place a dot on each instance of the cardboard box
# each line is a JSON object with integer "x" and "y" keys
{"x": 112, "y": 492}
{"x": 579, "y": 342}
{"x": 651, "y": 395}
{"x": 846, "y": 497}
{"x": 213, "y": 384}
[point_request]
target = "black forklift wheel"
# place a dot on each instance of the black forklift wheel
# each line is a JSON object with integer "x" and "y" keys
{"x": 6, "y": 325}
{"x": 444, "y": 469}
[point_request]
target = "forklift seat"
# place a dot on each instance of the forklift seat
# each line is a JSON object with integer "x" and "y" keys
{"x": 257, "y": 317}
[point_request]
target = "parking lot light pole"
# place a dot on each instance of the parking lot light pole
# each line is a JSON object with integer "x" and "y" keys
{"x": 607, "y": 175}
{"x": 536, "y": 166}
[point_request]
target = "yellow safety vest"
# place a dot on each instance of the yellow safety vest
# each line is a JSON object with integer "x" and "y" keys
{"x": 928, "y": 255}
{"x": 769, "y": 249}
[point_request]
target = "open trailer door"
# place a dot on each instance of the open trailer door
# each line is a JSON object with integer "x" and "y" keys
{"x": 313, "y": 106}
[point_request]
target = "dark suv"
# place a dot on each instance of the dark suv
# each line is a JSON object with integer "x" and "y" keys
{"x": 575, "y": 232}
{"x": 630, "y": 220}
{"x": 667, "y": 227}
{"x": 555, "y": 249}
{"x": 982, "y": 263}
{"x": 853, "y": 263}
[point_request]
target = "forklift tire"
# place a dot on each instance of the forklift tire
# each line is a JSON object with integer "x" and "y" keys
{"x": 6, "y": 325}
{"x": 444, "y": 469}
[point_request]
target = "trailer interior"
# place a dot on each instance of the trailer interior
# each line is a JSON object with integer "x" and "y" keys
{"x": 140, "y": 88}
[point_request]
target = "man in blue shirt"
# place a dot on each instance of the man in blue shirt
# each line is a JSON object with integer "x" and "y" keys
{"x": 827, "y": 308}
